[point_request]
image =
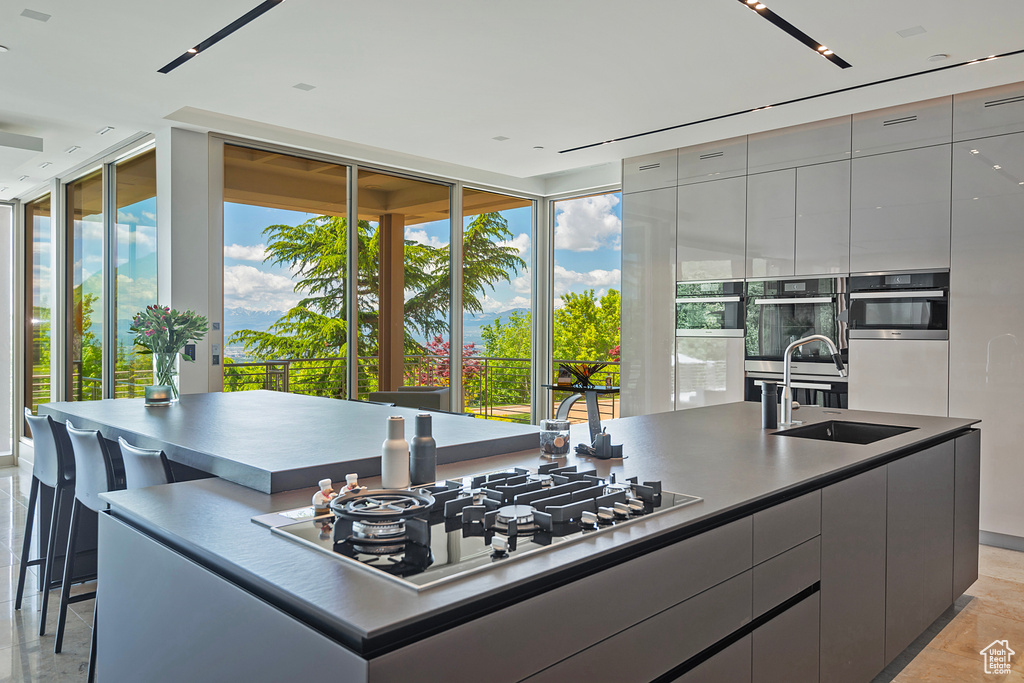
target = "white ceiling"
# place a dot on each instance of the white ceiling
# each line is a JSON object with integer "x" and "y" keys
{"x": 439, "y": 80}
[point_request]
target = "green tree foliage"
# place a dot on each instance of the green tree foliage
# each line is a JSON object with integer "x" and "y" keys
{"x": 316, "y": 327}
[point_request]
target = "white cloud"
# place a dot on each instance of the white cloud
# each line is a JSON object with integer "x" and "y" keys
{"x": 144, "y": 236}
{"x": 588, "y": 224}
{"x": 572, "y": 280}
{"x": 422, "y": 237}
{"x": 149, "y": 215}
{"x": 521, "y": 242}
{"x": 522, "y": 283}
{"x": 492, "y": 305}
{"x": 246, "y": 252}
{"x": 247, "y": 287}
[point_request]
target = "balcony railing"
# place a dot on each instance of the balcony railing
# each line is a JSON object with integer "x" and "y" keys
{"x": 495, "y": 388}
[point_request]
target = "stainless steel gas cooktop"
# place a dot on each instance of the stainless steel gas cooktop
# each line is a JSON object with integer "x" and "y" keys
{"x": 423, "y": 537}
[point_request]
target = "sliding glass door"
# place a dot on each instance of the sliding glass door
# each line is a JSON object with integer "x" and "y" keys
{"x": 38, "y": 302}
{"x": 84, "y": 205}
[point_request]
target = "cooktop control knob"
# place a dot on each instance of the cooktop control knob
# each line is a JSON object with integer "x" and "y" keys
{"x": 605, "y": 515}
{"x": 636, "y": 506}
{"x": 588, "y": 520}
{"x": 499, "y": 546}
{"x": 621, "y": 510}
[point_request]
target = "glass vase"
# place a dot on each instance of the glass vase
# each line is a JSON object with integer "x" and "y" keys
{"x": 165, "y": 372}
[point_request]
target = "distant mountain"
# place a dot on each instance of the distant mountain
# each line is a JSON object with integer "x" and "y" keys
{"x": 248, "y": 319}
{"x": 472, "y": 325}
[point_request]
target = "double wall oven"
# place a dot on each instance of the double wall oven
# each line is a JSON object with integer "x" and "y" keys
{"x": 781, "y": 311}
{"x": 709, "y": 343}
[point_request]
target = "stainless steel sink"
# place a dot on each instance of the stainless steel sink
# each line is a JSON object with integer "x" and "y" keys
{"x": 845, "y": 432}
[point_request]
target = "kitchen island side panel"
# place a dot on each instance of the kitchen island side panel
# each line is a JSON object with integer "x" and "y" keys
{"x": 162, "y": 617}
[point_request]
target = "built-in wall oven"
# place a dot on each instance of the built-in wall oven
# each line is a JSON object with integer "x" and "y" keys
{"x": 899, "y": 327}
{"x": 900, "y": 306}
{"x": 781, "y": 311}
{"x": 709, "y": 343}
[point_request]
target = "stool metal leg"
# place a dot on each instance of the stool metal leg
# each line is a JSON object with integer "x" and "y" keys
{"x": 69, "y": 566}
{"x": 51, "y": 552}
{"x": 26, "y": 547}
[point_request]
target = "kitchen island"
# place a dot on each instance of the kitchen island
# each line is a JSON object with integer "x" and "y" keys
{"x": 806, "y": 559}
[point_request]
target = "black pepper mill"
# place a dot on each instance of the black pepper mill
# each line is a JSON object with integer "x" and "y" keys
{"x": 769, "y": 405}
{"x": 423, "y": 453}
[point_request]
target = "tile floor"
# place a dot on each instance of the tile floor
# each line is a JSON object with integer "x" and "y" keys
{"x": 949, "y": 651}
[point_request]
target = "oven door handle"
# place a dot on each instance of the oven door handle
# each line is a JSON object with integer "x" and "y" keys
{"x": 910, "y": 294}
{"x": 807, "y": 300}
{"x": 709, "y": 300}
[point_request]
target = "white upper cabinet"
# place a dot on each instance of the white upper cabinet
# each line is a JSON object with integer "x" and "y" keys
{"x": 771, "y": 223}
{"x": 711, "y": 226}
{"x": 993, "y": 111}
{"x": 905, "y": 127}
{"x": 713, "y": 161}
{"x": 810, "y": 143}
{"x": 900, "y": 210}
{"x": 823, "y": 219}
{"x": 649, "y": 172}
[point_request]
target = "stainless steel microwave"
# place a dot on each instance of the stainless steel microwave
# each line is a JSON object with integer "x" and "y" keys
{"x": 900, "y": 306}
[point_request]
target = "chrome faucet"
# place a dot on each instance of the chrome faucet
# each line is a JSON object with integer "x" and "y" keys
{"x": 787, "y": 380}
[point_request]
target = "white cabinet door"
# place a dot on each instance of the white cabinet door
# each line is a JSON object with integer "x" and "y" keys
{"x": 711, "y": 224}
{"x": 902, "y": 376}
{"x": 649, "y": 172}
{"x": 900, "y": 211}
{"x": 919, "y": 124}
{"x": 823, "y": 219}
{"x": 986, "y": 331}
{"x": 771, "y": 223}
{"x": 713, "y": 161}
{"x": 709, "y": 371}
{"x": 809, "y": 143}
{"x": 648, "y": 301}
{"x": 993, "y": 111}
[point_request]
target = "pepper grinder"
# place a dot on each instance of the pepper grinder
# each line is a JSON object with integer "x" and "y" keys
{"x": 423, "y": 452}
{"x": 394, "y": 462}
{"x": 769, "y": 406}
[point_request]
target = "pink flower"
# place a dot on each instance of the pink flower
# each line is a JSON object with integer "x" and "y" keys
{"x": 150, "y": 333}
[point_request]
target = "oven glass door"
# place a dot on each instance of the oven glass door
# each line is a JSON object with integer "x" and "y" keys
{"x": 772, "y": 324}
{"x": 902, "y": 311}
{"x": 721, "y": 316}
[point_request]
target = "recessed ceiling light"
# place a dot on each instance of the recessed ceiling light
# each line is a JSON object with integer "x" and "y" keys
{"x": 72, "y": 149}
{"x": 104, "y": 130}
{"x": 912, "y": 31}
{"x": 304, "y": 86}
{"x": 939, "y": 57}
{"x": 997, "y": 167}
{"x": 45, "y": 164}
{"x": 500, "y": 138}
{"x": 538, "y": 146}
{"x": 38, "y": 16}
{"x": 759, "y": 5}
{"x": 974, "y": 151}
{"x": 22, "y": 179}
{"x": 192, "y": 51}
{"x": 3, "y": 48}
{"x": 220, "y": 35}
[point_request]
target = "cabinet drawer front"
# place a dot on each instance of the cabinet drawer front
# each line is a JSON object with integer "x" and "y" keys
{"x": 780, "y": 578}
{"x": 786, "y": 525}
{"x": 912, "y": 125}
{"x": 649, "y": 172}
{"x": 993, "y": 111}
{"x": 662, "y": 642}
{"x": 590, "y": 610}
{"x": 785, "y": 650}
{"x": 713, "y": 161}
{"x": 731, "y": 664}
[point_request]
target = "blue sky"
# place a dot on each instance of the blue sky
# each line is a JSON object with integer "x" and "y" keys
{"x": 588, "y": 234}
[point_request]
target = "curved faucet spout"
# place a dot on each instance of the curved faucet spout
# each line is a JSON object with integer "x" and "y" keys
{"x": 787, "y": 356}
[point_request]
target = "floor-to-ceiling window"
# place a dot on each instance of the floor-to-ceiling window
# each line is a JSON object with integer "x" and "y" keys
{"x": 496, "y": 305}
{"x": 6, "y": 326}
{"x": 404, "y": 282}
{"x": 587, "y": 281}
{"x": 285, "y": 233}
{"x": 85, "y": 324}
{"x": 134, "y": 266}
{"x": 38, "y": 302}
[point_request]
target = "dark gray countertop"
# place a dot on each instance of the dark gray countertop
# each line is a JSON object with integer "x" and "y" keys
{"x": 273, "y": 441}
{"x": 719, "y": 453}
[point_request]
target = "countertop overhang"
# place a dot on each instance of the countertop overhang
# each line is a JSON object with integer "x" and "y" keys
{"x": 719, "y": 453}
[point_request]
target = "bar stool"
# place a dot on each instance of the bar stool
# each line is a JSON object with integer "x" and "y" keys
{"x": 54, "y": 468}
{"x": 94, "y": 474}
{"x": 144, "y": 467}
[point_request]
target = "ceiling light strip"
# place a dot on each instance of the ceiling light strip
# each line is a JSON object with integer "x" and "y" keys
{"x": 220, "y": 35}
{"x": 760, "y": 9}
{"x": 793, "y": 101}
